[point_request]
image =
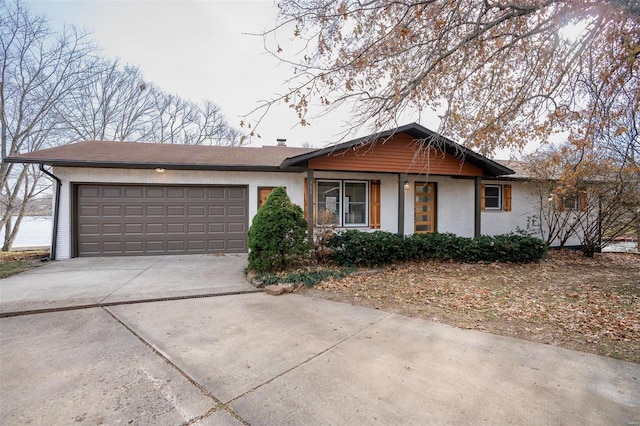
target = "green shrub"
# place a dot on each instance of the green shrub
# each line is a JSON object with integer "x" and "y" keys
{"x": 355, "y": 248}
{"x": 278, "y": 234}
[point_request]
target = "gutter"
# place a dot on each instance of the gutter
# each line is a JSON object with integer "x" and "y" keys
{"x": 56, "y": 210}
{"x": 150, "y": 165}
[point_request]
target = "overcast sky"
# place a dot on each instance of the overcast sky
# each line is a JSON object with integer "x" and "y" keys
{"x": 200, "y": 50}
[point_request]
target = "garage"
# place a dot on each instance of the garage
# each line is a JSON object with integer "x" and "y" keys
{"x": 138, "y": 220}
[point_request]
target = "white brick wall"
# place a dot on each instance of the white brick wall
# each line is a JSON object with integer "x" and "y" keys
{"x": 454, "y": 204}
{"x": 455, "y": 197}
{"x": 524, "y": 206}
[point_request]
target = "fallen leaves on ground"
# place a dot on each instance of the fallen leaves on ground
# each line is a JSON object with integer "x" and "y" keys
{"x": 568, "y": 300}
{"x": 14, "y": 262}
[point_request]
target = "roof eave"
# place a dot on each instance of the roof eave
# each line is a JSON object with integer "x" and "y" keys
{"x": 146, "y": 165}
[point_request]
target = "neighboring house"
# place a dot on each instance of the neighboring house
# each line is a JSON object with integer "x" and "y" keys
{"x": 126, "y": 198}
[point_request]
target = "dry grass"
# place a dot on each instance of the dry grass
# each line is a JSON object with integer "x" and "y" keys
{"x": 590, "y": 305}
{"x": 14, "y": 262}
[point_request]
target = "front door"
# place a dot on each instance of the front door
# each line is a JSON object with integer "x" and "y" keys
{"x": 424, "y": 208}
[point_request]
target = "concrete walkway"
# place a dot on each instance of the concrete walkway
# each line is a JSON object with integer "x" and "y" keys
{"x": 263, "y": 360}
{"x": 108, "y": 280}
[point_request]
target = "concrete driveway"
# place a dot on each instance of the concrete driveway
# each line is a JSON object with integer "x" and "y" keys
{"x": 263, "y": 360}
{"x": 91, "y": 281}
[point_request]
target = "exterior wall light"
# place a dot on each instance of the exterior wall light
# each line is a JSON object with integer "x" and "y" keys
{"x": 406, "y": 185}
{"x": 160, "y": 169}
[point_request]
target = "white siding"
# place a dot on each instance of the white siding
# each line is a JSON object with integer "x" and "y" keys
{"x": 523, "y": 215}
{"x": 496, "y": 222}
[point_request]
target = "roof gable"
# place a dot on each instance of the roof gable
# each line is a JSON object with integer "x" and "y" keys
{"x": 401, "y": 150}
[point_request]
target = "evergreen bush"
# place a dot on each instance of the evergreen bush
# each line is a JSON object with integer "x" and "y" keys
{"x": 356, "y": 248}
{"x": 278, "y": 234}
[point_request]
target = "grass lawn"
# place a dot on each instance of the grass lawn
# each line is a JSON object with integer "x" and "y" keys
{"x": 12, "y": 262}
{"x": 589, "y": 305}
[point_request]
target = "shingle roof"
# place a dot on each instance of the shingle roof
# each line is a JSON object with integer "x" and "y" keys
{"x": 206, "y": 157}
{"x": 519, "y": 167}
{"x": 150, "y": 155}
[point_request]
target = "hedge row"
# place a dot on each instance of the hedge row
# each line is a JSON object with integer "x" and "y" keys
{"x": 356, "y": 248}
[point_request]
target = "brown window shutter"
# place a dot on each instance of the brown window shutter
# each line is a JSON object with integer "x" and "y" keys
{"x": 583, "y": 200}
{"x": 482, "y": 202}
{"x": 506, "y": 194}
{"x": 374, "y": 205}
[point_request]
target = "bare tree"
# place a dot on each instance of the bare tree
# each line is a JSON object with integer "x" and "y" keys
{"x": 590, "y": 194}
{"x": 119, "y": 105}
{"x": 176, "y": 120}
{"x": 554, "y": 222}
{"x": 503, "y": 73}
{"x": 55, "y": 90}
{"x": 115, "y": 106}
{"x": 39, "y": 70}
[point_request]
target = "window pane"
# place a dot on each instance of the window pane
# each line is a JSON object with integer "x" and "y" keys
{"x": 328, "y": 203}
{"x": 492, "y": 196}
{"x": 356, "y": 191}
{"x": 491, "y": 191}
{"x": 355, "y": 203}
{"x": 355, "y": 215}
{"x": 571, "y": 202}
{"x": 490, "y": 202}
{"x": 423, "y": 188}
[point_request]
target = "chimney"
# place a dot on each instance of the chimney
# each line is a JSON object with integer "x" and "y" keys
{"x": 281, "y": 142}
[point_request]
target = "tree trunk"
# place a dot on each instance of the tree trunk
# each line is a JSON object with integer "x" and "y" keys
{"x": 6, "y": 244}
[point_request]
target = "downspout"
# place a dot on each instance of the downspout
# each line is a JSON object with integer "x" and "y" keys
{"x": 477, "y": 215}
{"x": 56, "y": 209}
{"x": 310, "y": 200}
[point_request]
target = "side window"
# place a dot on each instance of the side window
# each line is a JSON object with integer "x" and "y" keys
{"x": 496, "y": 197}
{"x": 573, "y": 201}
{"x": 493, "y": 197}
{"x": 570, "y": 202}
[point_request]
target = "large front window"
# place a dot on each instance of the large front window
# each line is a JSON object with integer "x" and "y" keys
{"x": 342, "y": 203}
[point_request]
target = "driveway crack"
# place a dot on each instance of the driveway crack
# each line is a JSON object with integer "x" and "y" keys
{"x": 132, "y": 278}
{"x": 219, "y": 405}
{"x": 355, "y": 333}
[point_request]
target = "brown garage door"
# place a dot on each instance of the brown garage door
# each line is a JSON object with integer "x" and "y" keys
{"x": 122, "y": 220}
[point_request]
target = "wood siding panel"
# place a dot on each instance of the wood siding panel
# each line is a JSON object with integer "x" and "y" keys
{"x": 396, "y": 155}
{"x": 374, "y": 205}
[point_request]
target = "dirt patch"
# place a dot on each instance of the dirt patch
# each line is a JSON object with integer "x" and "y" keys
{"x": 590, "y": 305}
{"x": 12, "y": 263}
